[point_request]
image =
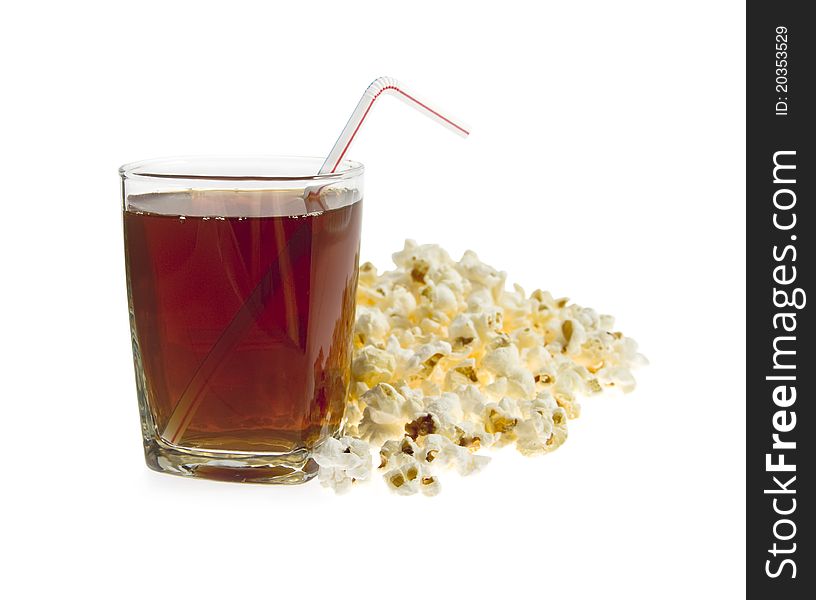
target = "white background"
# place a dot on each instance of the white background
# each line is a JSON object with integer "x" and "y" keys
{"x": 606, "y": 164}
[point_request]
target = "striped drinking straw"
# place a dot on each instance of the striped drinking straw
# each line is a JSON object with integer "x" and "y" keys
{"x": 384, "y": 85}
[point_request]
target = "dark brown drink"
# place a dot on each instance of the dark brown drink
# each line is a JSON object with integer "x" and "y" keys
{"x": 242, "y": 323}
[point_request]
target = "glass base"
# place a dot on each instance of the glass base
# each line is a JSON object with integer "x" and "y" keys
{"x": 286, "y": 468}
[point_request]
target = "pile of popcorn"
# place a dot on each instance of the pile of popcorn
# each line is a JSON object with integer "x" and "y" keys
{"x": 448, "y": 362}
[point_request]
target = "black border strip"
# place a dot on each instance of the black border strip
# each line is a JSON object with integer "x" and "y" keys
{"x": 780, "y": 258}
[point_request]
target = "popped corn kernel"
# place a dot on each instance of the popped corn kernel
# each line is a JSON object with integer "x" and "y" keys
{"x": 429, "y": 485}
{"x": 543, "y": 428}
{"x": 406, "y": 478}
{"x": 422, "y": 425}
{"x": 386, "y": 412}
{"x": 368, "y": 274}
{"x": 462, "y": 329}
{"x": 502, "y": 417}
{"x": 472, "y": 435}
{"x": 481, "y": 274}
{"x": 371, "y": 326}
{"x": 446, "y": 407}
{"x": 448, "y": 362}
{"x": 372, "y": 366}
{"x": 462, "y": 460}
{"x": 432, "y": 445}
{"x": 444, "y": 299}
{"x": 343, "y": 462}
{"x": 397, "y": 452}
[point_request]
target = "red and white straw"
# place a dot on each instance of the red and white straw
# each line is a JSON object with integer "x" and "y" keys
{"x": 384, "y": 85}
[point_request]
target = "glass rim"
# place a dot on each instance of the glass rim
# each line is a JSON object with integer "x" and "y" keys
{"x": 162, "y": 168}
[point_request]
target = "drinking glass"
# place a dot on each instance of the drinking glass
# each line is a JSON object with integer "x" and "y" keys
{"x": 241, "y": 276}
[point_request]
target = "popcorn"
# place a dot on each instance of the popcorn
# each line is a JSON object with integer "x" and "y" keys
{"x": 487, "y": 321}
{"x": 342, "y": 463}
{"x": 402, "y": 357}
{"x": 368, "y": 275}
{"x": 461, "y": 459}
{"x": 371, "y": 326}
{"x": 386, "y": 412}
{"x": 574, "y": 336}
{"x": 405, "y": 479}
{"x": 400, "y": 301}
{"x": 444, "y": 300}
{"x": 543, "y": 428}
{"x": 432, "y": 445}
{"x": 527, "y": 338}
{"x": 412, "y": 477}
{"x": 461, "y": 374}
{"x": 447, "y": 407}
{"x": 372, "y": 366}
{"x": 429, "y": 485}
{"x": 446, "y": 274}
{"x": 412, "y": 255}
{"x": 472, "y": 399}
{"x": 394, "y": 453}
{"x": 479, "y": 273}
{"x": 423, "y": 425}
{"x": 427, "y": 356}
{"x": 447, "y": 363}
{"x": 617, "y": 376}
{"x": 472, "y": 435}
{"x": 506, "y": 362}
{"x": 502, "y": 417}
{"x": 462, "y": 330}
